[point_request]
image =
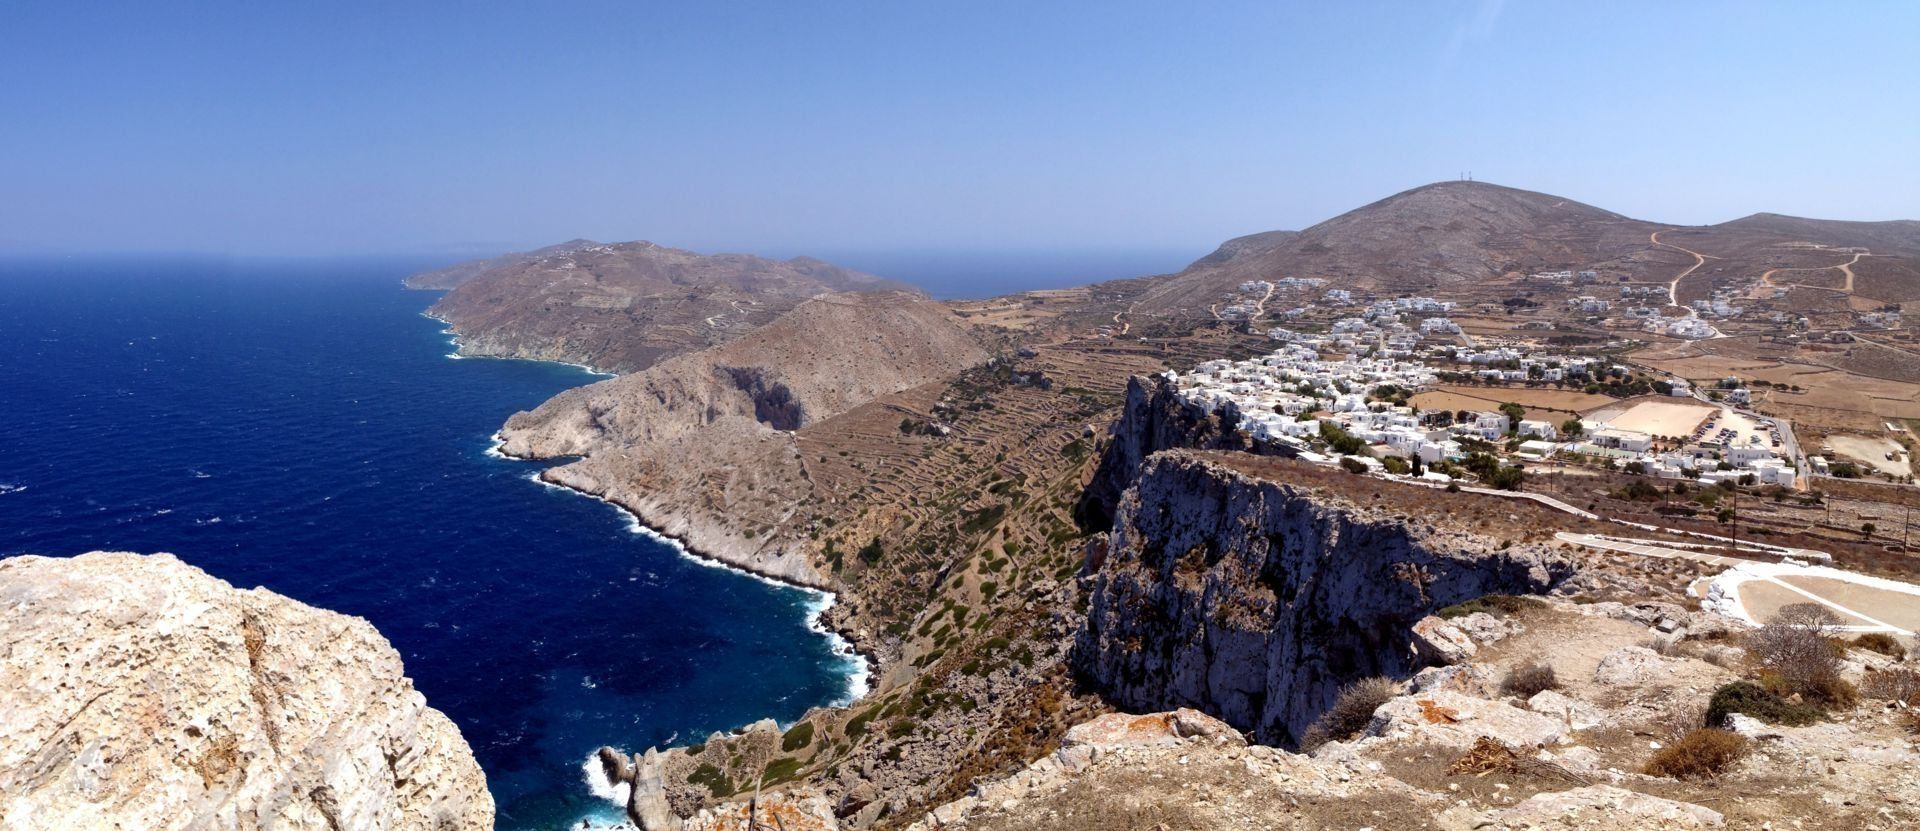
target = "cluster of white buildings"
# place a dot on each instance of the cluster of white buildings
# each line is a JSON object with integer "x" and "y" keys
{"x": 1275, "y": 393}
{"x": 1285, "y": 398}
{"x": 1718, "y": 307}
{"x": 1588, "y": 304}
{"x": 1879, "y": 320}
{"x": 1691, "y": 328}
{"x": 1414, "y": 305}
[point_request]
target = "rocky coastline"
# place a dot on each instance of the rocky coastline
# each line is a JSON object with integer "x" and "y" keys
{"x": 830, "y": 620}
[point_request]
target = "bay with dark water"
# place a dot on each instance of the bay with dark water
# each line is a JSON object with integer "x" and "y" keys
{"x": 298, "y": 425}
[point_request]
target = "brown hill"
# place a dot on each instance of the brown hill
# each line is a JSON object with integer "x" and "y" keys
{"x": 702, "y": 445}
{"x": 1428, "y": 238}
{"x": 452, "y": 276}
{"x": 1451, "y": 238}
{"x": 626, "y": 306}
{"x": 1900, "y": 236}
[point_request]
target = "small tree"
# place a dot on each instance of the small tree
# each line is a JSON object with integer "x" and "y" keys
{"x": 1867, "y": 529}
{"x": 1513, "y": 412}
{"x": 1796, "y": 644}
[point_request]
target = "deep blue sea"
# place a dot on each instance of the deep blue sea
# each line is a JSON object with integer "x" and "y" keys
{"x": 300, "y": 426}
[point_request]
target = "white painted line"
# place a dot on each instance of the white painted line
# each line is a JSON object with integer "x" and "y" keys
{"x": 1837, "y": 607}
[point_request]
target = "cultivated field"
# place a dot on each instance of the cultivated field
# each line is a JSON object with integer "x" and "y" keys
{"x": 1453, "y": 398}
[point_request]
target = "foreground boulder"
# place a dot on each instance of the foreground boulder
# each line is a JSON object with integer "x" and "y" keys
{"x": 142, "y": 693}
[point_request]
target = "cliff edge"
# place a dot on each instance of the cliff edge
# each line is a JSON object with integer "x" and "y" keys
{"x": 143, "y": 693}
{"x": 1258, "y": 599}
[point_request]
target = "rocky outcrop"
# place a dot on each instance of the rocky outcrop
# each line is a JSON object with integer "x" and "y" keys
{"x": 1256, "y": 600}
{"x": 1154, "y": 418}
{"x": 139, "y": 692}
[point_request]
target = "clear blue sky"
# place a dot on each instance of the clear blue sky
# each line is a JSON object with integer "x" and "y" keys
{"x": 782, "y": 127}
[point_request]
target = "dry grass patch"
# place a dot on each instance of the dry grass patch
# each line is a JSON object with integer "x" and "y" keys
{"x": 1530, "y": 679}
{"x": 1902, "y": 685}
{"x": 1350, "y": 713}
{"x": 1704, "y": 753}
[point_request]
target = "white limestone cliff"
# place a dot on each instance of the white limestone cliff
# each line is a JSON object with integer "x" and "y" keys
{"x": 140, "y": 692}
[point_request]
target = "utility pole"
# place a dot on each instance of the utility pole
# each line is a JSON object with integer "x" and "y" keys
{"x": 1734, "y": 517}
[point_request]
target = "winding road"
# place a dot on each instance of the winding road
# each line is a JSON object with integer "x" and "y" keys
{"x": 1673, "y": 288}
{"x": 1699, "y": 259}
{"x": 1846, "y": 268}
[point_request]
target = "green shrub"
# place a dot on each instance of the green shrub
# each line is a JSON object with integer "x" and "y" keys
{"x": 1751, "y": 699}
{"x": 1350, "y": 713}
{"x": 715, "y": 782}
{"x": 857, "y": 726}
{"x": 799, "y": 736}
{"x": 983, "y": 519}
{"x": 1704, "y": 753}
{"x": 780, "y": 770}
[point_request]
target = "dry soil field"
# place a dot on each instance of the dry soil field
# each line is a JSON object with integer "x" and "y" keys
{"x": 1658, "y": 418}
{"x": 1563, "y": 402}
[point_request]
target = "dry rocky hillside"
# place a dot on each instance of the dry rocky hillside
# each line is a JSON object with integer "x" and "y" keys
{"x": 1473, "y": 241}
{"x": 442, "y": 279}
{"x": 1025, "y": 542}
{"x": 142, "y": 693}
{"x": 703, "y": 446}
{"x": 623, "y": 307}
{"x": 1240, "y": 598}
{"x": 1431, "y": 238}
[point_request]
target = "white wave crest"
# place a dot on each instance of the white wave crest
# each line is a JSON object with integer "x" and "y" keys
{"x": 596, "y": 776}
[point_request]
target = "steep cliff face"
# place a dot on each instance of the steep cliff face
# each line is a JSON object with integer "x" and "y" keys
{"x": 1255, "y": 600}
{"x": 1154, "y": 419}
{"x": 141, "y": 693}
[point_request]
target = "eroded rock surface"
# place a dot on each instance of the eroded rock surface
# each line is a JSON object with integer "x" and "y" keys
{"x": 142, "y": 693}
{"x": 1256, "y": 600}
